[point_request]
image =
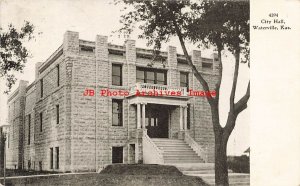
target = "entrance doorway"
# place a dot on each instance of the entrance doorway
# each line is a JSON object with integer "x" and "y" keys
{"x": 157, "y": 121}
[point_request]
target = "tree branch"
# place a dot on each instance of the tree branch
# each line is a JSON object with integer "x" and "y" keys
{"x": 242, "y": 103}
{"x": 218, "y": 85}
{"x": 196, "y": 72}
{"x": 235, "y": 77}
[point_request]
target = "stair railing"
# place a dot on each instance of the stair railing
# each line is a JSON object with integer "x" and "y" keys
{"x": 151, "y": 153}
{"x": 196, "y": 147}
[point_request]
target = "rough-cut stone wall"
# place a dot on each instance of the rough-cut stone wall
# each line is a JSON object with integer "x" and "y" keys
{"x": 51, "y": 134}
{"x": 29, "y": 133}
{"x": 16, "y": 105}
{"x": 85, "y": 135}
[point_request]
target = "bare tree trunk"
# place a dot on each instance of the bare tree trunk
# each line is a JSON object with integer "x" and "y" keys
{"x": 221, "y": 168}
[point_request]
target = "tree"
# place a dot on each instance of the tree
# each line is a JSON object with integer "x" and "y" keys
{"x": 224, "y": 25}
{"x": 13, "y": 52}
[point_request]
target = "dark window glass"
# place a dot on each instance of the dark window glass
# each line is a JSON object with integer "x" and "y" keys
{"x": 117, "y": 116}
{"x": 153, "y": 76}
{"x": 189, "y": 116}
{"x": 51, "y": 158}
{"x": 117, "y": 75}
{"x": 57, "y": 157}
{"x": 29, "y": 126}
{"x": 117, "y": 154}
{"x": 206, "y": 65}
{"x": 57, "y": 68}
{"x": 140, "y": 76}
{"x": 184, "y": 79}
{"x": 42, "y": 88}
{"x": 57, "y": 114}
{"x": 41, "y": 165}
{"x": 29, "y": 164}
{"x": 150, "y": 77}
{"x": 116, "y": 80}
{"x": 41, "y": 122}
{"x": 160, "y": 78}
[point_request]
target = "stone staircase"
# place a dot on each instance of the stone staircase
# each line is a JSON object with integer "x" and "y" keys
{"x": 176, "y": 151}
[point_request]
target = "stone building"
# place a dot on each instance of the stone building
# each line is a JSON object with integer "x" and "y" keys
{"x": 96, "y": 103}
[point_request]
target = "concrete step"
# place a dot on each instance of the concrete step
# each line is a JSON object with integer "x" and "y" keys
{"x": 175, "y": 148}
{"x": 182, "y": 161}
{"x": 179, "y": 153}
{"x": 176, "y": 151}
{"x": 172, "y": 145}
{"x": 165, "y": 139}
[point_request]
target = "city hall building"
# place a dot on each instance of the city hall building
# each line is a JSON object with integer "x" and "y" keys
{"x": 96, "y": 103}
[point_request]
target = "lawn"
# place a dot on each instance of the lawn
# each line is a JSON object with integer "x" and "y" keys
{"x": 118, "y": 174}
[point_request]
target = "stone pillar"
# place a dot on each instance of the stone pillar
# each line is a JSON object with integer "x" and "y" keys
{"x": 137, "y": 153}
{"x": 101, "y": 54}
{"x": 185, "y": 117}
{"x": 37, "y": 66}
{"x": 173, "y": 74}
{"x": 71, "y": 51}
{"x": 196, "y": 59}
{"x": 181, "y": 119}
{"x": 130, "y": 51}
{"x": 130, "y": 68}
{"x": 71, "y": 43}
{"x": 143, "y": 115}
{"x": 138, "y": 115}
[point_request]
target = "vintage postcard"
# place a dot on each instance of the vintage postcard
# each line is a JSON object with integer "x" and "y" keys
{"x": 140, "y": 92}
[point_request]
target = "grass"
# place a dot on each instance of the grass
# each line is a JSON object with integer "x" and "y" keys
{"x": 141, "y": 169}
{"x": 119, "y": 174}
{"x": 13, "y": 172}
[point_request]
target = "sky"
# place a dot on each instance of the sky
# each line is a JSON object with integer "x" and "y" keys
{"x": 90, "y": 17}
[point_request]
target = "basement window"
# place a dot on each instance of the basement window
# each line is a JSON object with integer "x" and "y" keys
{"x": 51, "y": 158}
{"x": 117, "y": 154}
{"x": 207, "y": 65}
{"x": 57, "y": 158}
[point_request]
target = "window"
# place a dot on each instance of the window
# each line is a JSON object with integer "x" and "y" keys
{"x": 150, "y": 77}
{"x": 117, "y": 110}
{"x": 41, "y": 165}
{"x": 206, "y": 65}
{"x": 153, "y": 76}
{"x": 29, "y": 164}
{"x": 86, "y": 49}
{"x": 57, "y": 114}
{"x": 42, "y": 88}
{"x": 117, "y": 75}
{"x": 57, "y": 69}
{"x": 29, "y": 126}
{"x": 41, "y": 122}
{"x": 117, "y": 154}
{"x": 51, "y": 158}
{"x": 184, "y": 79}
{"x": 57, "y": 157}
